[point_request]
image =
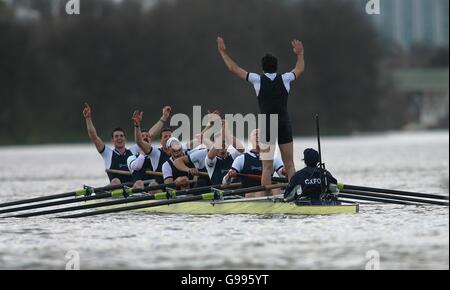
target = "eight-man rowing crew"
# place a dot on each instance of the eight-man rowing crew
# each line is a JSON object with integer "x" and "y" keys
{"x": 221, "y": 161}
{"x": 210, "y": 163}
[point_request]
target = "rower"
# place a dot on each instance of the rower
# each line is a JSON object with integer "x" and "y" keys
{"x": 114, "y": 158}
{"x": 194, "y": 164}
{"x": 194, "y": 161}
{"x": 220, "y": 159}
{"x": 306, "y": 187}
{"x": 250, "y": 164}
{"x": 218, "y": 162}
{"x": 170, "y": 172}
{"x": 213, "y": 164}
{"x": 150, "y": 158}
{"x": 272, "y": 90}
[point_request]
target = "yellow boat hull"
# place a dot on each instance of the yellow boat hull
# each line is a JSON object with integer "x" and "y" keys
{"x": 252, "y": 208}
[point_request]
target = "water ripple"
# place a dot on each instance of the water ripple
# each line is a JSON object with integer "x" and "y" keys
{"x": 406, "y": 237}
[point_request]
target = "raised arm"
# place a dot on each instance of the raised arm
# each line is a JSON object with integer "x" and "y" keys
{"x": 92, "y": 132}
{"x": 199, "y": 140}
{"x": 232, "y": 66}
{"x": 137, "y": 119}
{"x": 213, "y": 117}
{"x": 156, "y": 129}
{"x": 213, "y": 153}
{"x": 235, "y": 142}
{"x": 297, "y": 47}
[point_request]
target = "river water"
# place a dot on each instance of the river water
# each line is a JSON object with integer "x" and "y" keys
{"x": 380, "y": 236}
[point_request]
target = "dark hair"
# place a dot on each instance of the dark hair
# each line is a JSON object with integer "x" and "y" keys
{"x": 118, "y": 129}
{"x": 144, "y": 130}
{"x": 165, "y": 130}
{"x": 269, "y": 64}
{"x": 311, "y": 163}
{"x": 311, "y": 157}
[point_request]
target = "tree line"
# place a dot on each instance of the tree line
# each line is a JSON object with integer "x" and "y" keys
{"x": 120, "y": 57}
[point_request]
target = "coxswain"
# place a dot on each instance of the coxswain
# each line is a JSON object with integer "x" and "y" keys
{"x": 308, "y": 186}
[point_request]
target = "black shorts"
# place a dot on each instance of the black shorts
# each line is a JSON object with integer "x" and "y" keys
{"x": 284, "y": 130}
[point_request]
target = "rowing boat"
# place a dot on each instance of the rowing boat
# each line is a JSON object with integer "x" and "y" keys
{"x": 247, "y": 206}
{"x": 254, "y": 208}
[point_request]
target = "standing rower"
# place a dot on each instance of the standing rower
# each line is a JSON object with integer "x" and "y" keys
{"x": 272, "y": 90}
{"x": 150, "y": 158}
{"x": 114, "y": 158}
{"x": 251, "y": 164}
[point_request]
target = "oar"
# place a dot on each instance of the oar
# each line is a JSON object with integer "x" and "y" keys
{"x": 390, "y": 191}
{"x": 156, "y": 196}
{"x": 151, "y": 173}
{"x": 259, "y": 177}
{"x": 391, "y": 197}
{"x": 81, "y": 192}
{"x": 128, "y": 173}
{"x": 195, "y": 197}
{"x": 122, "y": 192}
{"x": 364, "y": 198}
